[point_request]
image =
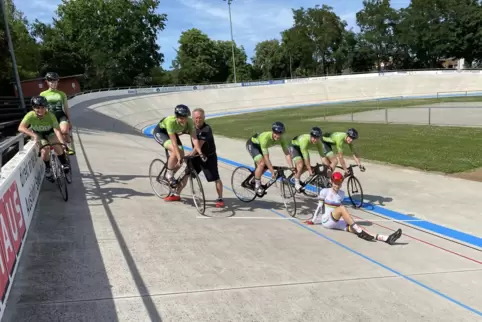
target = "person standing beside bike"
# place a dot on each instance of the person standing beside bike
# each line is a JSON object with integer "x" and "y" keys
{"x": 340, "y": 139}
{"x": 43, "y": 127}
{"x": 210, "y": 169}
{"x": 258, "y": 145}
{"x": 58, "y": 105}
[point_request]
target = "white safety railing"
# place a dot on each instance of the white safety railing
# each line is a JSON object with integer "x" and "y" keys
{"x": 9, "y": 142}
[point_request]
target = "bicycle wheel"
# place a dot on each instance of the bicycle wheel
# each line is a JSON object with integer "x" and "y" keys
{"x": 59, "y": 176}
{"x": 354, "y": 187}
{"x": 159, "y": 184}
{"x": 288, "y": 195}
{"x": 245, "y": 182}
{"x": 312, "y": 188}
{"x": 200, "y": 202}
{"x": 68, "y": 176}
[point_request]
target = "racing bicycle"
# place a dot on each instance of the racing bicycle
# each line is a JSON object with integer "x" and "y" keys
{"x": 353, "y": 186}
{"x": 159, "y": 176}
{"x": 312, "y": 186}
{"x": 59, "y": 175}
{"x": 248, "y": 183}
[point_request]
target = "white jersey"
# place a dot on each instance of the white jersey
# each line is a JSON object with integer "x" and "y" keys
{"x": 331, "y": 198}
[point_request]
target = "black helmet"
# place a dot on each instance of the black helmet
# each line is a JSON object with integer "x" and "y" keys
{"x": 38, "y": 101}
{"x": 52, "y": 76}
{"x": 316, "y": 132}
{"x": 352, "y": 133}
{"x": 182, "y": 111}
{"x": 278, "y": 127}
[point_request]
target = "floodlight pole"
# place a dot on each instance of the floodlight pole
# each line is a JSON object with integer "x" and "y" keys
{"x": 232, "y": 40}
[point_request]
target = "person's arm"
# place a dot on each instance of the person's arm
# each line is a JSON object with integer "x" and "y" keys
{"x": 195, "y": 141}
{"x": 56, "y": 127}
{"x": 23, "y": 127}
{"x": 339, "y": 154}
{"x": 66, "y": 108}
{"x": 306, "y": 156}
{"x": 284, "y": 147}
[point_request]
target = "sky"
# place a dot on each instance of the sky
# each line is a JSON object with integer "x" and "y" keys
{"x": 253, "y": 20}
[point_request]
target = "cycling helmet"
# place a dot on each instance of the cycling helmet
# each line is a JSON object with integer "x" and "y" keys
{"x": 336, "y": 177}
{"x": 352, "y": 133}
{"x": 182, "y": 111}
{"x": 316, "y": 132}
{"x": 38, "y": 101}
{"x": 278, "y": 127}
{"x": 52, "y": 76}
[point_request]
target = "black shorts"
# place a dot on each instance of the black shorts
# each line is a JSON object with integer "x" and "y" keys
{"x": 327, "y": 148}
{"x": 295, "y": 151}
{"x": 254, "y": 150}
{"x": 161, "y": 137}
{"x": 209, "y": 168}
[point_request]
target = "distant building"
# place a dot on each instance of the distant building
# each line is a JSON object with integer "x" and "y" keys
{"x": 68, "y": 84}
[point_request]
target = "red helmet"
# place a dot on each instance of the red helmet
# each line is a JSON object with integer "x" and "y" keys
{"x": 337, "y": 177}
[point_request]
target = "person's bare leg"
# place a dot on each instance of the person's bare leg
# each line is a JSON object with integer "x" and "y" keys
{"x": 341, "y": 211}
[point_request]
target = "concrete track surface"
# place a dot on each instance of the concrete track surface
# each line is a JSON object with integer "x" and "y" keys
{"x": 116, "y": 252}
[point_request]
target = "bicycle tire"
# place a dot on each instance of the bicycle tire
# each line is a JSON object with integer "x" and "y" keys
{"x": 285, "y": 185}
{"x": 239, "y": 169}
{"x": 201, "y": 208}
{"x": 59, "y": 176}
{"x": 353, "y": 180}
{"x": 156, "y": 175}
{"x": 68, "y": 176}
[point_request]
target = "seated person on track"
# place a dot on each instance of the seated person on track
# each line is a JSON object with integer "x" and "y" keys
{"x": 339, "y": 139}
{"x": 166, "y": 134}
{"x": 44, "y": 128}
{"x": 301, "y": 156}
{"x": 258, "y": 145}
{"x": 336, "y": 216}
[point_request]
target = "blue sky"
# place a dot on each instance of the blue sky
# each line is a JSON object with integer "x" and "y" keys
{"x": 253, "y": 20}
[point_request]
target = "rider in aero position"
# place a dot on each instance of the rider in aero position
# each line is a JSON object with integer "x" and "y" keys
{"x": 339, "y": 139}
{"x": 258, "y": 145}
{"x": 166, "y": 134}
{"x": 43, "y": 125}
{"x": 301, "y": 156}
{"x": 336, "y": 216}
{"x": 58, "y": 105}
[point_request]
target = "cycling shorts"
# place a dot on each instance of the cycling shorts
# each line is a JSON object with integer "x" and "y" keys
{"x": 161, "y": 137}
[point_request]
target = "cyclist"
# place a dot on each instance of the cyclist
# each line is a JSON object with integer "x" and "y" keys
{"x": 59, "y": 106}
{"x": 339, "y": 139}
{"x": 166, "y": 133}
{"x": 301, "y": 156}
{"x": 258, "y": 145}
{"x": 336, "y": 216}
{"x": 43, "y": 127}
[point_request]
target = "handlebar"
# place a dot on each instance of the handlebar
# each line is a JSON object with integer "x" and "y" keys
{"x": 52, "y": 144}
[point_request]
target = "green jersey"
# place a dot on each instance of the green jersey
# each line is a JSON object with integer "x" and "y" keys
{"x": 56, "y": 99}
{"x": 265, "y": 140}
{"x": 303, "y": 141}
{"x": 43, "y": 126}
{"x": 338, "y": 139}
{"x": 170, "y": 124}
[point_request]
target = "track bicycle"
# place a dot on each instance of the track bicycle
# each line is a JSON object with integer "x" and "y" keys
{"x": 353, "y": 186}
{"x": 315, "y": 182}
{"x": 248, "y": 183}
{"x": 59, "y": 175}
{"x": 159, "y": 176}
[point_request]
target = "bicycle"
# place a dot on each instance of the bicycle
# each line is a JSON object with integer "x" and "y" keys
{"x": 160, "y": 177}
{"x": 316, "y": 182}
{"x": 249, "y": 184}
{"x": 352, "y": 180}
{"x": 59, "y": 175}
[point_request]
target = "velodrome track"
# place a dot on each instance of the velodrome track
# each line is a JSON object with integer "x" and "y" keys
{"x": 116, "y": 252}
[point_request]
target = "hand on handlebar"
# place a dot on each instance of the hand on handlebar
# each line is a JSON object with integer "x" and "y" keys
{"x": 362, "y": 168}
{"x": 203, "y": 158}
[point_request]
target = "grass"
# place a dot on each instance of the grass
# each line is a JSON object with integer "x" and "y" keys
{"x": 431, "y": 148}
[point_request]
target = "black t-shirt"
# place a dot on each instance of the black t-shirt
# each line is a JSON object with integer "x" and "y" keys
{"x": 205, "y": 133}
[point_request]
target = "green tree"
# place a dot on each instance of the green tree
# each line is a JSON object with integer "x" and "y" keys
{"x": 377, "y": 21}
{"x": 114, "y": 40}
{"x": 25, "y": 47}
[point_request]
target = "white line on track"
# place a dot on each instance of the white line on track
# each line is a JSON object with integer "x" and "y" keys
{"x": 290, "y": 218}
